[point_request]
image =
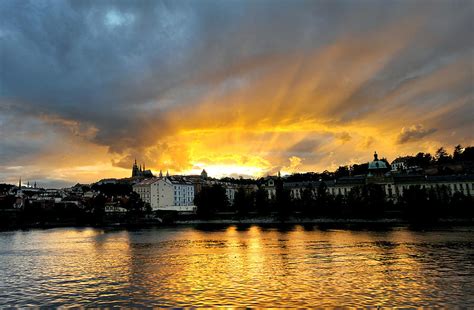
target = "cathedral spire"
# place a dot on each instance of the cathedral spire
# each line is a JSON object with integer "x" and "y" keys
{"x": 161, "y": 173}
{"x": 167, "y": 174}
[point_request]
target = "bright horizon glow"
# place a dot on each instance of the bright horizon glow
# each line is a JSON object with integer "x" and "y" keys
{"x": 238, "y": 88}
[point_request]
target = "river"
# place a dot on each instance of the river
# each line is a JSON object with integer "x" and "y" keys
{"x": 237, "y": 266}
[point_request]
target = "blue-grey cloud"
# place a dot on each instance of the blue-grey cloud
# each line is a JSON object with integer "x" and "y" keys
{"x": 127, "y": 74}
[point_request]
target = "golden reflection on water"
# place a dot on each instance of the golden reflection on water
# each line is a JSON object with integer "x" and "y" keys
{"x": 236, "y": 266}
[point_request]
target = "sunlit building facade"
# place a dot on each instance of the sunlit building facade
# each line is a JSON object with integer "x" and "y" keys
{"x": 167, "y": 194}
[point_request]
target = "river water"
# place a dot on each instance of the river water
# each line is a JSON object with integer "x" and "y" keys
{"x": 237, "y": 266}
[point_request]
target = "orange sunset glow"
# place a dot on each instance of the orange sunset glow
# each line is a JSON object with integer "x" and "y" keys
{"x": 290, "y": 88}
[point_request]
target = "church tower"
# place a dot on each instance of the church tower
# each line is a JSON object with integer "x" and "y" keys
{"x": 135, "y": 170}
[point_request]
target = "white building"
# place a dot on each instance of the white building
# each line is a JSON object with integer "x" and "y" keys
{"x": 167, "y": 194}
{"x": 399, "y": 164}
{"x": 183, "y": 191}
{"x": 148, "y": 191}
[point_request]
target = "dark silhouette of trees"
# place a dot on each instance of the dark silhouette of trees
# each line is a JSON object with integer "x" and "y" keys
{"x": 342, "y": 171}
{"x": 308, "y": 176}
{"x": 366, "y": 201}
{"x": 243, "y": 202}
{"x": 6, "y": 202}
{"x": 462, "y": 206}
{"x": 468, "y": 154}
{"x": 98, "y": 208}
{"x": 135, "y": 206}
{"x": 322, "y": 199}
{"x": 442, "y": 157}
{"x": 360, "y": 169}
{"x": 457, "y": 153}
{"x": 308, "y": 201}
{"x": 110, "y": 190}
{"x": 210, "y": 200}
{"x": 416, "y": 205}
{"x": 421, "y": 160}
{"x": 282, "y": 199}
{"x": 461, "y": 154}
{"x": 262, "y": 203}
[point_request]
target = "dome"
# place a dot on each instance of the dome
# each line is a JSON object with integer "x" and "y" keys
{"x": 377, "y": 164}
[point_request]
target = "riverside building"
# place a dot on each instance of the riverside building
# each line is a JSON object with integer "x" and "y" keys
{"x": 392, "y": 182}
{"x": 169, "y": 193}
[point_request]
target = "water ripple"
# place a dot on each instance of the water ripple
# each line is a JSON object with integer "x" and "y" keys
{"x": 251, "y": 266}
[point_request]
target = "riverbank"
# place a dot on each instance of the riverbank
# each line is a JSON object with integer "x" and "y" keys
{"x": 305, "y": 221}
{"x": 265, "y": 221}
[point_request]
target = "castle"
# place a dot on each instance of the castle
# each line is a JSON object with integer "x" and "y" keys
{"x": 138, "y": 171}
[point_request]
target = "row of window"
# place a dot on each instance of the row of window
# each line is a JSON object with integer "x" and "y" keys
{"x": 345, "y": 190}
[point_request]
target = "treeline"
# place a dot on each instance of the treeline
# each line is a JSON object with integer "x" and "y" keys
{"x": 364, "y": 202}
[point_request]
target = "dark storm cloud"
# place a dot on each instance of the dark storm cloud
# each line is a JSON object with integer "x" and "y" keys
{"x": 414, "y": 133}
{"x": 120, "y": 73}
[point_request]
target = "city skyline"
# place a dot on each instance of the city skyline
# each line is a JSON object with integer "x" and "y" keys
{"x": 236, "y": 88}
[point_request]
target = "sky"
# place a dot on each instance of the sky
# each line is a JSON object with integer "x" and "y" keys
{"x": 239, "y": 88}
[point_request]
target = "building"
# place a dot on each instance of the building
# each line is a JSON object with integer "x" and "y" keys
{"x": 138, "y": 171}
{"x": 400, "y": 164}
{"x": 377, "y": 168}
{"x": 198, "y": 180}
{"x": 230, "y": 191}
{"x": 270, "y": 186}
{"x": 394, "y": 184}
{"x": 148, "y": 191}
{"x": 296, "y": 189}
{"x": 167, "y": 193}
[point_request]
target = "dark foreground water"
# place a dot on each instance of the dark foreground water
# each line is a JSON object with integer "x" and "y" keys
{"x": 235, "y": 266}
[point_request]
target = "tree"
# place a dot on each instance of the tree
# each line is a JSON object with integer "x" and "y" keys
{"x": 442, "y": 156}
{"x": 109, "y": 189}
{"x": 457, "y": 153}
{"x": 282, "y": 199}
{"x": 242, "y": 202}
{"x": 210, "y": 200}
{"x": 361, "y": 169}
{"x": 261, "y": 201}
{"x": 322, "y": 199}
{"x": 416, "y": 205}
{"x": 468, "y": 154}
{"x": 342, "y": 171}
{"x": 308, "y": 200}
{"x": 366, "y": 200}
{"x": 135, "y": 205}
{"x": 98, "y": 208}
{"x": 423, "y": 160}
